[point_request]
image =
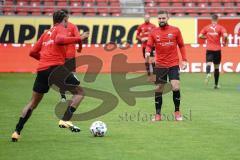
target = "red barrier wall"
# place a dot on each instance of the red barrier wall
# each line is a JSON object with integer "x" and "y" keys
{"x": 15, "y": 58}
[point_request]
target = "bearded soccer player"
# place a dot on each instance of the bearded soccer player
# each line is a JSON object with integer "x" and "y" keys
{"x": 71, "y": 49}
{"x": 166, "y": 38}
{"x": 50, "y": 52}
{"x": 143, "y": 32}
{"x": 213, "y": 33}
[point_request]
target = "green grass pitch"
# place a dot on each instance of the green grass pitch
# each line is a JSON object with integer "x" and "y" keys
{"x": 210, "y": 131}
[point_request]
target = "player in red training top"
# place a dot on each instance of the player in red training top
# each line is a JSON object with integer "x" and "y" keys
{"x": 213, "y": 34}
{"x": 143, "y": 32}
{"x": 71, "y": 50}
{"x": 166, "y": 38}
{"x": 50, "y": 51}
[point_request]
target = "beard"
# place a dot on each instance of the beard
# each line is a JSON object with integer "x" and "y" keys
{"x": 162, "y": 24}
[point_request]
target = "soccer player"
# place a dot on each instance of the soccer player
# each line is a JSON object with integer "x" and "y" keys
{"x": 166, "y": 38}
{"x": 213, "y": 33}
{"x": 71, "y": 49}
{"x": 50, "y": 51}
{"x": 143, "y": 32}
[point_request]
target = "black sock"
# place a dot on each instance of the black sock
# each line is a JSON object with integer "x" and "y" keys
{"x": 208, "y": 69}
{"x": 216, "y": 76}
{"x": 153, "y": 67}
{"x": 176, "y": 100}
{"x": 22, "y": 121}
{"x": 147, "y": 68}
{"x": 158, "y": 102}
{"x": 69, "y": 113}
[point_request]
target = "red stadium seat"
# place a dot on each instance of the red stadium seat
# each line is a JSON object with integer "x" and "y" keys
{"x": 151, "y": 11}
{"x": 193, "y": 15}
{"x": 164, "y": 4}
{"x": 35, "y": 8}
{"x": 22, "y": 13}
{"x": 102, "y": 1}
{"x": 89, "y": 9}
{"x": 62, "y": 4}
{"x": 89, "y": 1}
{"x": 190, "y": 4}
{"x": 216, "y": 5}
{"x": 116, "y": 4}
{"x": 8, "y": 8}
{"x": 7, "y": 13}
{"x": 115, "y": 10}
{"x": 202, "y": 5}
{"x": 21, "y": 7}
{"x": 229, "y": 4}
{"x": 214, "y": 1}
{"x": 49, "y": 7}
{"x": 190, "y": 10}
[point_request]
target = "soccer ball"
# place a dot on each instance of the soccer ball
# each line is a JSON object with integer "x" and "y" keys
{"x": 98, "y": 129}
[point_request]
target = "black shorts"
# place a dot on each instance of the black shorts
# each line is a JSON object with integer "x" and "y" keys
{"x": 214, "y": 56}
{"x": 163, "y": 74}
{"x": 41, "y": 84}
{"x": 70, "y": 63}
{"x": 151, "y": 54}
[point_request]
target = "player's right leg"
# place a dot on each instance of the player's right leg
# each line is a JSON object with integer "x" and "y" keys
{"x": 26, "y": 113}
{"x": 161, "y": 80}
{"x": 78, "y": 95}
{"x": 209, "y": 60}
{"x": 146, "y": 61}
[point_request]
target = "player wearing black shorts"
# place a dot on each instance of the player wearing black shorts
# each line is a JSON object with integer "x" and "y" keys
{"x": 166, "y": 39}
{"x": 143, "y": 31}
{"x": 50, "y": 52}
{"x": 70, "y": 50}
{"x": 213, "y": 34}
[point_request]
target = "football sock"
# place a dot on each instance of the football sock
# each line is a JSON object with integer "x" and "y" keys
{"x": 208, "y": 69}
{"x": 176, "y": 100}
{"x": 69, "y": 113}
{"x": 158, "y": 102}
{"x": 147, "y": 68}
{"x": 216, "y": 76}
{"x": 153, "y": 67}
{"x": 22, "y": 121}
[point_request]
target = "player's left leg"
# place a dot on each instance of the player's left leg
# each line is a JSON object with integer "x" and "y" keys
{"x": 217, "y": 61}
{"x": 175, "y": 82}
{"x": 26, "y": 113}
{"x": 70, "y": 64}
{"x": 209, "y": 60}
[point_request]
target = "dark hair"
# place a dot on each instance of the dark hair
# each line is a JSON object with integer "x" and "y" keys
{"x": 215, "y": 17}
{"x": 58, "y": 16}
{"x": 163, "y": 12}
{"x": 65, "y": 11}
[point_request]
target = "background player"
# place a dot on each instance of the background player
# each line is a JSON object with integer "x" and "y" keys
{"x": 50, "y": 51}
{"x": 71, "y": 49}
{"x": 166, "y": 38}
{"x": 213, "y": 33}
{"x": 143, "y": 32}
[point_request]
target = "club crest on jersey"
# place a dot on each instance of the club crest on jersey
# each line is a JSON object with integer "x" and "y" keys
{"x": 170, "y": 35}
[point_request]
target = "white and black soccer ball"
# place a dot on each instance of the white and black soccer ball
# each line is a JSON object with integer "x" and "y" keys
{"x": 98, "y": 129}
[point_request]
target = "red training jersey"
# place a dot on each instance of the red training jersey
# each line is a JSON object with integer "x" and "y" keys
{"x": 143, "y": 31}
{"x": 213, "y": 33}
{"x": 72, "y": 32}
{"x": 50, "y": 49}
{"x": 166, "y": 40}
